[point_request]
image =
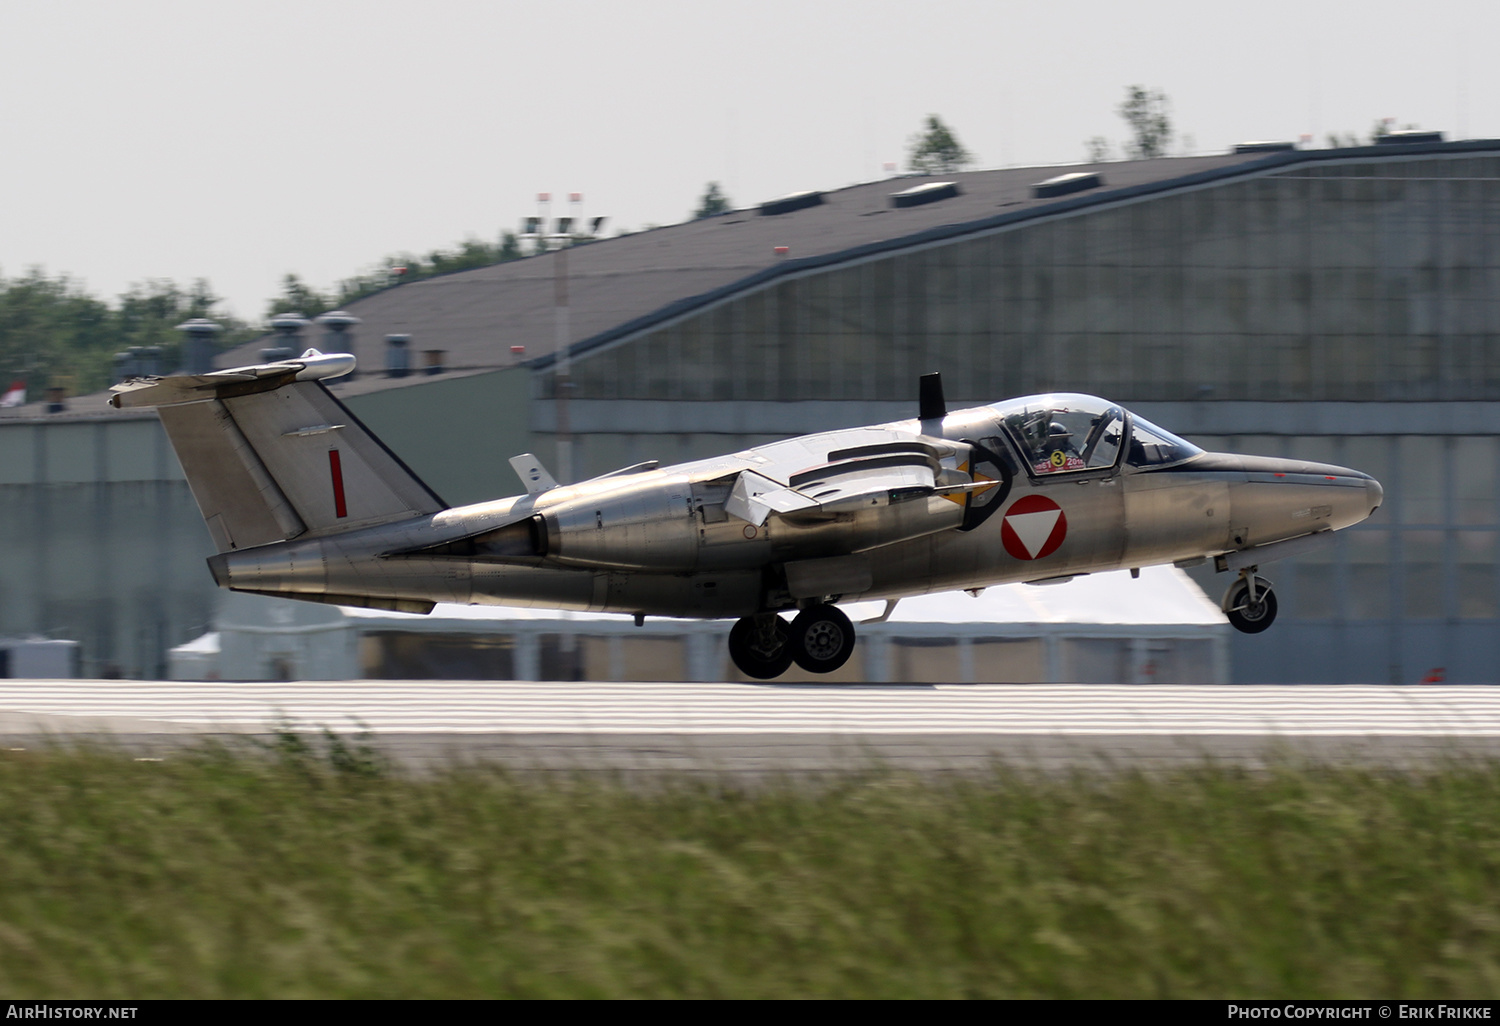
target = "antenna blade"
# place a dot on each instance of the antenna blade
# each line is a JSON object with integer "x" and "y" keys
{"x": 930, "y": 397}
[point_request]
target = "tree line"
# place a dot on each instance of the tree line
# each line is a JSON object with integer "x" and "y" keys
{"x": 54, "y": 333}
{"x": 472, "y": 253}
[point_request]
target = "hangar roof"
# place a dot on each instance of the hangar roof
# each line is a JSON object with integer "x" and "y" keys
{"x": 621, "y": 285}
{"x": 629, "y": 283}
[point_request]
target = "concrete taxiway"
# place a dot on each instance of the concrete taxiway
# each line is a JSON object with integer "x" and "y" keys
{"x": 763, "y": 729}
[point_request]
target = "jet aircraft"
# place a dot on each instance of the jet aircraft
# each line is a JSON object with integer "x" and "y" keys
{"x": 304, "y": 502}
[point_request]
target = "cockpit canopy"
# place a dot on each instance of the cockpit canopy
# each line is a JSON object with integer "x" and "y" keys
{"x": 1065, "y": 433}
{"x": 1151, "y": 446}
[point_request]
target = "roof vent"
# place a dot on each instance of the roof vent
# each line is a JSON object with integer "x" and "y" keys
{"x": 1063, "y": 185}
{"x": 794, "y": 201}
{"x": 338, "y": 338}
{"x": 1264, "y": 147}
{"x": 198, "y": 353}
{"x": 397, "y": 358}
{"x": 1408, "y": 135}
{"x": 920, "y": 194}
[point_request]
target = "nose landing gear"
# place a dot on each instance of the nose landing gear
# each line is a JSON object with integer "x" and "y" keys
{"x": 1250, "y": 603}
{"x": 820, "y": 640}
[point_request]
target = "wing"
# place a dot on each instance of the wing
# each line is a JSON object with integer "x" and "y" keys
{"x": 874, "y": 495}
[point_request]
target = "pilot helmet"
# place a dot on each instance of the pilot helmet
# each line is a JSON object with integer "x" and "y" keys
{"x": 1058, "y": 432}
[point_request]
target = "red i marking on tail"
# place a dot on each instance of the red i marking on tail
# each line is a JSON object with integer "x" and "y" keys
{"x": 337, "y": 471}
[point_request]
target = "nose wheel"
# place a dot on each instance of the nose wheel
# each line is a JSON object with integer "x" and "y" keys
{"x": 1250, "y": 603}
{"x": 820, "y": 640}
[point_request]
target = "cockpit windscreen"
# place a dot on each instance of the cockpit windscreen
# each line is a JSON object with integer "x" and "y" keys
{"x": 1151, "y": 446}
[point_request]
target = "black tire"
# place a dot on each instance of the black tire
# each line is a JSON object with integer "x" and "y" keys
{"x": 1251, "y": 619}
{"x": 822, "y": 639}
{"x": 753, "y": 660}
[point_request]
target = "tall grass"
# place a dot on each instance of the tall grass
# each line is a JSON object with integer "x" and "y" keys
{"x": 316, "y": 873}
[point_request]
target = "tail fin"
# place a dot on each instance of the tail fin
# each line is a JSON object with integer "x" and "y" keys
{"x": 270, "y": 454}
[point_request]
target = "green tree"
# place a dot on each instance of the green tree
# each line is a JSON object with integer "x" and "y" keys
{"x": 467, "y": 255}
{"x": 48, "y": 328}
{"x": 299, "y": 297}
{"x": 1097, "y": 149}
{"x": 53, "y": 333}
{"x": 713, "y": 202}
{"x": 936, "y": 150}
{"x": 1381, "y": 128}
{"x": 1146, "y": 111}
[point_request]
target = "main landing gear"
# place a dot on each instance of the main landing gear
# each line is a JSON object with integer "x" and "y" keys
{"x": 819, "y": 640}
{"x": 1250, "y": 603}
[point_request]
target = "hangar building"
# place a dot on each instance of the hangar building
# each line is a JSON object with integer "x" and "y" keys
{"x": 1337, "y": 305}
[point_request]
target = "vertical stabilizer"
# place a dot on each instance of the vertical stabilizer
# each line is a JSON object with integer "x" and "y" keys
{"x": 271, "y": 454}
{"x": 239, "y": 501}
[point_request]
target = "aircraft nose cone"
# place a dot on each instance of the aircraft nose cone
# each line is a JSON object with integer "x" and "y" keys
{"x": 1373, "y": 494}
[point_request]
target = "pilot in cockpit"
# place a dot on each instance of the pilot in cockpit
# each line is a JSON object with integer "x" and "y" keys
{"x": 1058, "y": 449}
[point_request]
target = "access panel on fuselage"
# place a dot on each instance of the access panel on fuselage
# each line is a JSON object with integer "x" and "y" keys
{"x": 1172, "y": 516}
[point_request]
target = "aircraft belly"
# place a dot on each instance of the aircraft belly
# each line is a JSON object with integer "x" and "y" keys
{"x": 702, "y": 595}
{"x": 534, "y": 587}
{"x": 1174, "y": 516}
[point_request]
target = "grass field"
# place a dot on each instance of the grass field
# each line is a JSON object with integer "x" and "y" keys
{"x": 301, "y": 873}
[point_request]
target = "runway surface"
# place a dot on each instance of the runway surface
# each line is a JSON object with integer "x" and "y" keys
{"x": 762, "y": 728}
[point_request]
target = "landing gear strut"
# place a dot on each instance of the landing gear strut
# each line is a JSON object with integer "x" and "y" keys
{"x": 820, "y": 639}
{"x": 1250, "y": 603}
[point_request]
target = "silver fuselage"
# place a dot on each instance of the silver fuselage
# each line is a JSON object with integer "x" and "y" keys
{"x": 660, "y": 541}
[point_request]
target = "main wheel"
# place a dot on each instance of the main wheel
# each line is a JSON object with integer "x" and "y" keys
{"x": 760, "y": 647}
{"x": 1246, "y": 616}
{"x": 822, "y": 639}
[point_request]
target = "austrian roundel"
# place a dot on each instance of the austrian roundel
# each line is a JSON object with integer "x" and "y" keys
{"x": 1033, "y": 527}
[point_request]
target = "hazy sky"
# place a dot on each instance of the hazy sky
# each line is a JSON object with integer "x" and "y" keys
{"x": 239, "y": 141}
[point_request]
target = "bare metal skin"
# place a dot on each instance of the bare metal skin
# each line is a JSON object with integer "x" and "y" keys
{"x": 303, "y": 502}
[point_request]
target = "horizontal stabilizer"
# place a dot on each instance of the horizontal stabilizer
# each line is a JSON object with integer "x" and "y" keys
{"x": 190, "y": 388}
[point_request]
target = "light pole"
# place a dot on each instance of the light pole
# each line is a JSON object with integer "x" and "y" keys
{"x": 562, "y": 372}
{"x": 566, "y": 231}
